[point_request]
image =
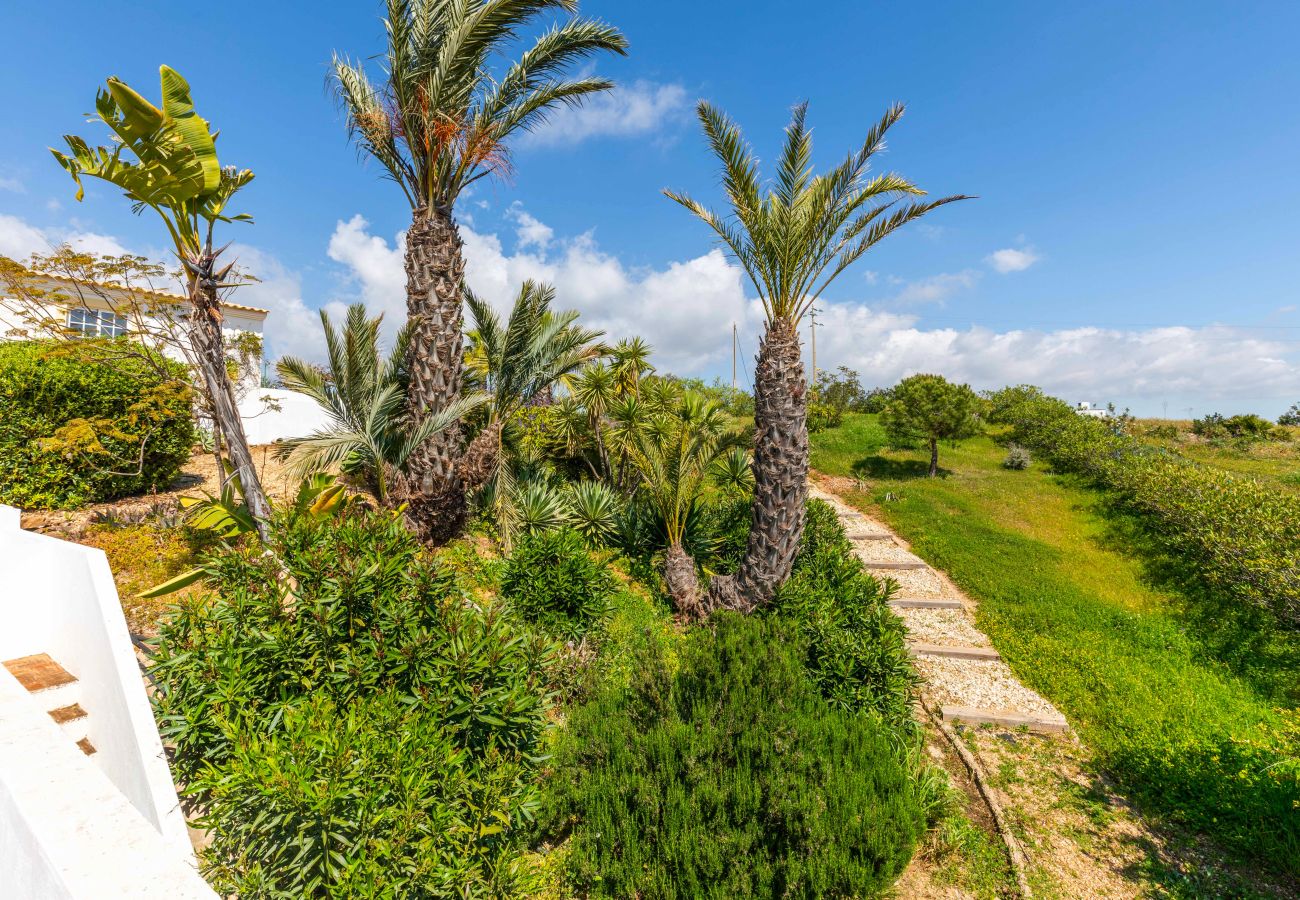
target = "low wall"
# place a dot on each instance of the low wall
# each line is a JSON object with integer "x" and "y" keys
{"x": 59, "y": 598}
{"x": 273, "y": 414}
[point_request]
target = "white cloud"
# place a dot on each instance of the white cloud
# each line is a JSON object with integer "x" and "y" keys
{"x": 19, "y": 240}
{"x": 530, "y": 231}
{"x": 374, "y": 267}
{"x": 641, "y": 107}
{"x": 936, "y": 288}
{"x": 12, "y": 184}
{"x": 1012, "y": 260}
{"x": 291, "y": 328}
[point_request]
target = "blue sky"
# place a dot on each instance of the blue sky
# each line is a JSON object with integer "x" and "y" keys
{"x": 1135, "y": 238}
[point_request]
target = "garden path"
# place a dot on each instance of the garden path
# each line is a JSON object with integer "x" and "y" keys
{"x": 965, "y": 678}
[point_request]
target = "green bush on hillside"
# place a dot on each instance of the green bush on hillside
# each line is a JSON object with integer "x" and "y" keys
{"x": 554, "y": 582}
{"x": 288, "y": 693}
{"x": 729, "y": 777}
{"x": 76, "y": 428}
{"x": 1237, "y": 534}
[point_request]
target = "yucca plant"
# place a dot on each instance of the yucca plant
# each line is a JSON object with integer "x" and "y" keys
{"x": 539, "y": 507}
{"x": 362, "y": 392}
{"x": 441, "y": 120}
{"x": 733, "y": 472}
{"x": 594, "y": 511}
{"x": 792, "y": 239}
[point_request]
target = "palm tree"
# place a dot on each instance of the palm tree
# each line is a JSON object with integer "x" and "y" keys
{"x": 176, "y": 174}
{"x": 792, "y": 239}
{"x": 441, "y": 121}
{"x": 363, "y": 394}
{"x": 514, "y": 363}
{"x": 631, "y": 360}
{"x": 675, "y": 454}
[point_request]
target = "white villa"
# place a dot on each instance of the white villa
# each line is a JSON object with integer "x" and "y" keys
{"x": 1085, "y": 408}
{"x": 104, "y": 311}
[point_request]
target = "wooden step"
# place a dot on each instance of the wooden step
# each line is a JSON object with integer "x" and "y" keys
{"x": 86, "y": 746}
{"x": 894, "y": 565}
{"x": 39, "y": 673}
{"x": 868, "y": 535}
{"x": 953, "y": 651}
{"x": 65, "y": 714}
{"x": 1045, "y": 724}
{"x": 925, "y": 603}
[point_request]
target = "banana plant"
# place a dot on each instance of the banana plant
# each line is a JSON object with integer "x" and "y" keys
{"x": 165, "y": 159}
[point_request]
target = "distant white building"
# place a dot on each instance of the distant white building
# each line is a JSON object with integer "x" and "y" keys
{"x": 105, "y": 311}
{"x": 1093, "y": 412}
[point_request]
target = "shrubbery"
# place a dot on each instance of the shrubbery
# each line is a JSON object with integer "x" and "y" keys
{"x": 75, "y": 429}
{"x": 552, "y": 580}
{"x": 352, "y": 721}
{"x": 1243, "y": 429}
{"x": 1237, "y": 534}
{"x": 727, "y": 775}
{"x": 1018, "y": 458}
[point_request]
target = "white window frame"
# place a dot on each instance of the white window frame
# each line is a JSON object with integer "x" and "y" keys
{"x": 96, "y": 322}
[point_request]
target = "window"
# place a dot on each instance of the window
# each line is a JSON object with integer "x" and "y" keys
{"x": 96, "y": 322}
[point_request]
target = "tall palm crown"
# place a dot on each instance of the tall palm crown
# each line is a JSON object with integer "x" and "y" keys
{"x": 792, "y": 238}
{"x": 440, "y": 121}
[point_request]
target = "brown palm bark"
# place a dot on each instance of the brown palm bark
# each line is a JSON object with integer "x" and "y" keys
{"x": 780, "y": 475}
{"x": 435, "y": 271}
{"x": 210, "y": 354}
{"x": 482, "y": 457}
{"x": 682, "y": 583}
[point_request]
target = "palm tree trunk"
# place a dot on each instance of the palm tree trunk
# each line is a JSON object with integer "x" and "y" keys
{"x": 482, "y": 456}
{"x": 435, "y": 271}
{"x": 780, "y": 475}
{"x": 934, "y": 458}
{"x": 682, "y": 583}
{"x": 210, "y": 353}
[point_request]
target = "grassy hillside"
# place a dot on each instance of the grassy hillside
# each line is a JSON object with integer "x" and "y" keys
{"x": 1191, "y": 734}
{"x": 1277, "y": 462}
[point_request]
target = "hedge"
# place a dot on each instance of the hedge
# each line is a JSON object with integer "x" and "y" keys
{"x": 73, "y": 424}
{"x": 1236, "y": 533}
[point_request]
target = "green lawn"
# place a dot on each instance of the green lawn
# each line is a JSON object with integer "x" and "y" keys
{"x": 1075, "y": 616}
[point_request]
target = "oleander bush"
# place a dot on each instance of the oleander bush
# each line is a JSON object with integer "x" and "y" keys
{"x": 725, "y": 774}
{"x": 1237, "y": 534}
{"x": 338, "y": 703}
{"x": 77, "y": 427}
{"x": 555, "y": 583}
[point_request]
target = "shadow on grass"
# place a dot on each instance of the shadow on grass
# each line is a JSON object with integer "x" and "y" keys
{"x": 876, "y": 467}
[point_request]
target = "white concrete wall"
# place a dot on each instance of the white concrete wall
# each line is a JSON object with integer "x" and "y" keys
{"x": 66, "y": 831}
{"x": 297, "y": 415}
{"x": 59, "y": 598}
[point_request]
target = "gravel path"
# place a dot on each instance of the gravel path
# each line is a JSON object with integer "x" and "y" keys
{"x": 987, "y": 685}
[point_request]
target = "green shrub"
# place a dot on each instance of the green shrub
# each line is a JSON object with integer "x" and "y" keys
{"x": 77, "y": 428}
{"x": 823, "y": 415}
{"x": 1237, "y": 535}
{"x": 249, "y": 675}
{"x": 730, "y": 777}
{"x": 855, "y": 648}
{"x": 375, "y": 798}
{"x": 554, "y": 582}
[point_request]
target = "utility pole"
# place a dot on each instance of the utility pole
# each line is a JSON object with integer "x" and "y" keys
{"x": 812, "y": 326}
{"x": 733, "y": 356}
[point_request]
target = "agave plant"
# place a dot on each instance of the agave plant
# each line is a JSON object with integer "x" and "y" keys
{"x": 362, "y": 392}
{"x": 441, "y": 120}
{"x": 733, "y": 472}
{"x": 539, "y": 507}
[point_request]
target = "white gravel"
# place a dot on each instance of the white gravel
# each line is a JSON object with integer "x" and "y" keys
{"x": 946, "y": 627}
{"x": 883, "y": 551}
{"x": 915, "y": 582}
{"x": 982, "y": 684}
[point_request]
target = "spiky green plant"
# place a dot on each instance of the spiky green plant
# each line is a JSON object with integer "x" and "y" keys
{"x": 792, "y": 239}
{"x": 362, "y": 394}
{"x": 441, "y": 120}
{"x": 593, "y": 511}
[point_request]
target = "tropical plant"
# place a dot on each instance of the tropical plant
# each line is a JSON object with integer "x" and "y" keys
{"x": 441, "y": 121}
{"x": 733, "y": 471}
{"x": 362, "y": 393}
{"x": 792, "y": 239}
{"x": 931, "y": 408}
{"x": 516, "y": 363}
{"x": 593, "y": 511}
{"x": 675, "y": 453}
{"x": 176, "y": 174}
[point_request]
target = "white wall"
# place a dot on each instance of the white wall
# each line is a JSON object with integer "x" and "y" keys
{"x": 66, "y": 832}
{"x": 297, "y": 415}
{"x": 59, "y": 598}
